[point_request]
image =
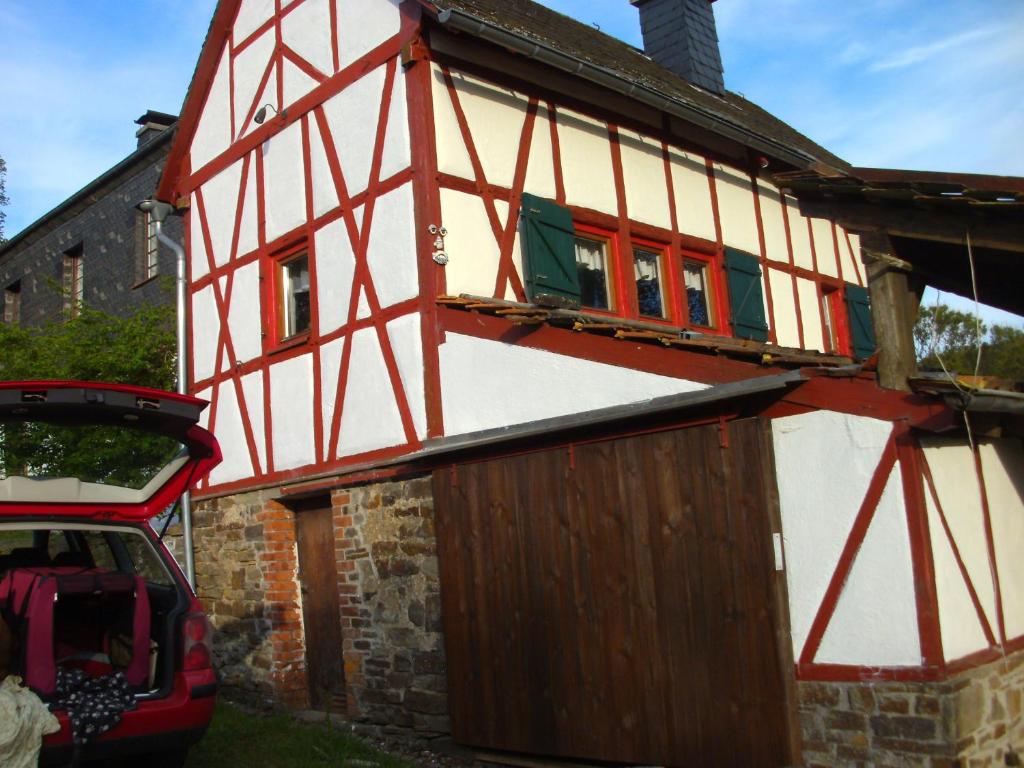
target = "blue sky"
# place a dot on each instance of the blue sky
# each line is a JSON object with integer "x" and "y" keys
{"x": 922, "y": 84}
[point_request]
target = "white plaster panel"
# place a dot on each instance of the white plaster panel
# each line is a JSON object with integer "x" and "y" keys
{"x": 1003, "y": 465}
{"x": 198, "y": 263}
{"x": 363, "y": 25}
{"x": 858, "y": 274}
{"x": 407, "y": 344}
{"x": 736, "y": 209}
{"x": 452, "y": 155}
{"x": 363, "y": 307}
{"x": 325, "y": 196}
{"x": 250, "y": 65}
{"x": 692, "y": 189}
{"x": 959, "y": 625}
{"x": 495, "y": 116}
{"x": 252, "y": 391}
{"x": 851, "y": 273}
{"x": 643, "y": 173}
{"x": 472, "y": 249}
{"x": 540, "y": 169}
{"x": 875, "y": 622}
{"x": 352, "y": 116}
{"x": 397, "y": 154}
{"x": 370, "y": 419}
{"x": 787, "y": 331}
{"x": 204, "y": 417}
{"x": 205, "y": 332}
{"x": 544, "y": 384}
{"x": 251, "y": 13}
{"x": 335, "y": 265}
{"x": 244, "y": 314}
{"x": 248, "y": 235}
{"x": 391, "y": 249}
{"x": 956, "y": 482}
{"x": 799, "y": 235}
{"x": 284, "y": 186}
{"x": 307, "y": 31}
{"x": 517, "y": 260}
{"x": 773, "y": 222}
{"x": 818, "y": 508}
{"x": 213, "y": 132}
{"x": 295, "y": 82}
{"x": 220, "y": 199}
{"x": 586, "y": 162}
{"x": 810, "y": 314}
{"x": 231, "y": 435}
{"x": 291, "y": 409}
{"x": 330, "y": 370}
{"x": 824, "y": 247}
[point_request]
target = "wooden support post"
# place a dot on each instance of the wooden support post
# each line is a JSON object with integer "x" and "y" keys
{"x": 893, "y": 314}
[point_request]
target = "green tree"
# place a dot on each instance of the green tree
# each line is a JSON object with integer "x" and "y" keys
{"x": 942, "y": 332}
{"x": 94, "y": 346}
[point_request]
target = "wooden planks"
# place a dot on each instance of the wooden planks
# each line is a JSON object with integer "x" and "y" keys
{"x": 615, "y": 601}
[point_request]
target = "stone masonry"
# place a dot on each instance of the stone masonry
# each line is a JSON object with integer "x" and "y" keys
{"x": 967, "y": 721}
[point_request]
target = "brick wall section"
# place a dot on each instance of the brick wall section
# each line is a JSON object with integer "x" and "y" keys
{"x": 389, "y": 594}
{"x": 965, "y": 721}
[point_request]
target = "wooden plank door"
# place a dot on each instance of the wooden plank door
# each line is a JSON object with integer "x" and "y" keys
{"x": 617, "y": 604}
{"x": 320, "y": 613}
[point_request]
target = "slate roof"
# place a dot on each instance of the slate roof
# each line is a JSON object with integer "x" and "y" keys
{"x": 534, "y": 22}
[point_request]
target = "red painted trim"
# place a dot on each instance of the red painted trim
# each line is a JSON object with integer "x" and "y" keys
{"x": 961, "y": 566}
{"x": 303, "y": 65}
{"x": 792, "y": 274}
{"x": 990, "y": 541}
{"x": 674, "y": 272}
{"x": 863, "y": 397}
{"x": 277, "y": 56}
{"x": 666, "y": 268}
{"x": 772, "y": 337}
{"x": 627, "y": 304}
{"x": 726, "y": 328}
{"x": 249, "y": 114}
{"x": 556, "y": 154}
{"x": 314, "y": 293}
{"x": 845, "y": 673}
{"x": 231, "y": 85}
{"x": 854, "y": 541}
{"x": 333, "y": 11}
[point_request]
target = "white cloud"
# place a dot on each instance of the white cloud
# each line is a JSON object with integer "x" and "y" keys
{"x": 921, "y": 53}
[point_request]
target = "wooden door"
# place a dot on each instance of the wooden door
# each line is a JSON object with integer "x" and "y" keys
{"x": 617, "y": 603}
{"x": 320, "y": 613}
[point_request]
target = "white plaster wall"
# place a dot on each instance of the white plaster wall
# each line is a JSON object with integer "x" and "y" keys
{"x": 291, "y": 410}
{"x": 1003, "y": 465}
{"x": 370, "y": 419}
{"x": 213, "y": 131}
{"x": 205, "y": 331}
{"x": 397, "y": 154}
{"x": 824, "y": 462}
{"x": 284, "y": 186}
{"x": 363, "y": 25}
{"x": 799, "y": 235}
{"x": 772, "y": 222}
{"x": 220, "y": 197}
{"x": 824, "y": 247}
{"x": 248, "y": 234}
{"x": 810, "y": 314}
{"x": 787, "y": 331}
{"x": 295, "y": 82}
{"x": 250, "y": 64}
{"x": 487, "y": 384}
{"x": 472, "y": 250}
{"x": 540, "y": 170}
{"x": 692, "y": 190}
{"x": 586, "y": 162}
{"x": 335, "y": 265}
{"x": 352, "y": 116}
{"x": 252, "y": 391}
{"x": 643, "y": 172}
{"x": 859, "y": 275}
{"x": 851, "y": 273}
{"x": 198, "y": 264}
{"x": 452, "y": 156}
{"x": 307, "y": 31}
{"x": 330, "y": 367}
{"x": 391, "y": 249}
{"x": 407, "y": 344}
{"x": 251, "y": 14}
{"x": 736, "y": 209}
{"x": 325, "y": 195}
{"x": 244, "y": 320}
{"x": 231, "y": 435}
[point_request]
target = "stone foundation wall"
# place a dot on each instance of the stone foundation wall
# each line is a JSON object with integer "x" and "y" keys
{"x": 968, "y": 721}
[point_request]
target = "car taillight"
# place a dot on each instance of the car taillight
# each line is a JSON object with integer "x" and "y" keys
{"x": 198, "y": 642}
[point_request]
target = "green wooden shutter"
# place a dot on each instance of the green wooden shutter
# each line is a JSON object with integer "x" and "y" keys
{"x": 862, "y": 332}
{"x": 549, "y": 253}
{"x": 746, "y": 295}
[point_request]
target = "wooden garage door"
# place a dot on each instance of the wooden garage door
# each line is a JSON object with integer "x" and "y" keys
{"x": 615, "y": 602}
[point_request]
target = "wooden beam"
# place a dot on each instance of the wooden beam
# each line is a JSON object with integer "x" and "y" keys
{"x": 893, "y": 314}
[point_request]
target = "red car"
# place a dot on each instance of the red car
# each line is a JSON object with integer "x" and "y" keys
{"x": 88, "y": 589}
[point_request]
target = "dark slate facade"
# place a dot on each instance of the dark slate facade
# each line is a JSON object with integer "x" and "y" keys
{"x": 101, "y": 223}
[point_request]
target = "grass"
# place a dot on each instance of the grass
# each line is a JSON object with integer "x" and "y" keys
{"x": 279, "y": 741}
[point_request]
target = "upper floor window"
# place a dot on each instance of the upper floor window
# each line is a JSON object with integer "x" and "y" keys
{"x": 147, "y": 264}
{"x": 12, "y": 303}
{"x": 594, "y": 270}
{"x": 698, "y": 282}
{"x": 73, "y": 281}
{"x": 649, "y": 274}
{"x": 293, "y": 304}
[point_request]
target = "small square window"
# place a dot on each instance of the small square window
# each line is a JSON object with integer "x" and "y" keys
{"x": 594, "y": 273}
{"x": 73, "y": 281}
{"x": 650, "y": 284}
{"x": 293, "y": 301}
{"x": 151, "y": 262}
{"x": 700, "y": 297}
{"x": 12, "y": 303}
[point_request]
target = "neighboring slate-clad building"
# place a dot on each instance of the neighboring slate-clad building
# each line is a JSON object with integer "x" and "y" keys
{"x": 95, "y": 247}
{"x": 552, "y": 415}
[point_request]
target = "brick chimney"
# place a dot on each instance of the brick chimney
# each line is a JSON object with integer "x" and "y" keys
{"x": 151, "y": 125}
{"x": 680, "y": 35}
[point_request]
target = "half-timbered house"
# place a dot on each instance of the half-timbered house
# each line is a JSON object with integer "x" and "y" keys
{"x": 553, "y": 420}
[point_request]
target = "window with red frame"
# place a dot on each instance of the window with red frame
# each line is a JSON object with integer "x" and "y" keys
{"x": 836, "y": 333}
{"x": 701, "y": 292}
{"x": 293, "y": 300}
{"x": 594, "y": 269}
{"x": 650, "y": 279}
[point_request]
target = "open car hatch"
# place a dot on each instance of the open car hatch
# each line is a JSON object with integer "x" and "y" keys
{"x": 109, "y": 451}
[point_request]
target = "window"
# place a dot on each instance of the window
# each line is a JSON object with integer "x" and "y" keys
{"x": 12, "y": 304}
{"x": 700, "y": 293}
{"x": 830, "y": 320}
{"x": 147, "y": 248}
{"x": 72, "y": 282}
{"x": 649, "y": 274}
{"x": 293, "y": 297}
{"x": 593, "y": 271}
